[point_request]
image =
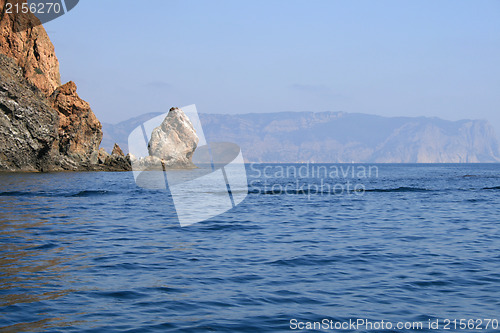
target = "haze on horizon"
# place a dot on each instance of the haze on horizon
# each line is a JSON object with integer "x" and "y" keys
{"x": 390, "y": 58}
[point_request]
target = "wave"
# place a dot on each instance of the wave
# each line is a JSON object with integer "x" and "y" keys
{"x": 289, "y": 191}
{"x": 87, "y": 193}
{"x": 281, "y": 191}
{"x": 399, "y": 189}
{"x": 19, "y": 194}
{"x": 306, "y": 190}
{"x": 480, "y": 176}
{"x": 47, "y": 246}
{"x": 91, "y": 193}
{"x": 313, "y": 190}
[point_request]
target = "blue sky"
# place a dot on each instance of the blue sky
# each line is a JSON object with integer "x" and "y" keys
{"x": 392, "y": 58}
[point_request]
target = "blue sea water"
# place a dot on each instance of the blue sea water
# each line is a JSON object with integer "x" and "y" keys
{"x": 92, "y": 252}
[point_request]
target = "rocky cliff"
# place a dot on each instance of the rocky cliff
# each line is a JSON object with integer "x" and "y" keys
{"x": 44, "y": 126}
{"x": 28, "y": 125}
{"x": 23, "y": 39}
{"x": 80, "y": 133}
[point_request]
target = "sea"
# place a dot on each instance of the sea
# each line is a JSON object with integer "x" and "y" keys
{"x": 312, "y": 247}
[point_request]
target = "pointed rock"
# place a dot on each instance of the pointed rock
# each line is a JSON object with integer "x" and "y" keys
{"x": 175, "y": 141}
{"x": 117, "y": 151}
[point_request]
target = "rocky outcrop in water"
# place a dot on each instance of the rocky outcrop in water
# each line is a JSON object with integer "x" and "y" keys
{"x": 117, "y": 151}
{"x": 116, "y": 161}
{"x": 44, "y": 126}
{"x": 175, "y": 141}
{"x": 171, "y": 146}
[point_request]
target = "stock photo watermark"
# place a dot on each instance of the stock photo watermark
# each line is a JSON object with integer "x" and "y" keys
{"x": 169, "y": 152}
{"x": 36, "y": 12}
{"x": 311, "y": 179}
{"x": 205, "y": 179}
{"x": 446, "y": 324}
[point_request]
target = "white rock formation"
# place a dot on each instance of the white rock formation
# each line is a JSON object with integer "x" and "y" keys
{"x": 175, "y": 141}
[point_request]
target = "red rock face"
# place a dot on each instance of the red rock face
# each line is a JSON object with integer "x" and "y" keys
{"x": 30, "y": 47}
{"x": 80, "y": 132}
{"x": 26, "y": 41}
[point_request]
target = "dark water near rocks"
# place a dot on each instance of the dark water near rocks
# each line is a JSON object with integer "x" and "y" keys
{"x": 92, "y": 252}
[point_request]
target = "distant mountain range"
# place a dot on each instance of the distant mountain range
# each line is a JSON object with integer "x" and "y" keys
{"x": 339, "y": 137}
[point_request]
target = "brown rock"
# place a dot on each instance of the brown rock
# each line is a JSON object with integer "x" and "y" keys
{"x": 43, "y": 126}
{"x": 102, "y": 156}
{"x": 117, "y": 151}
{"x": 102, "y": 161}
{"x": 26, "y": 41}
{"x": 115, "y": 161}
{"x": 80, "y": 132}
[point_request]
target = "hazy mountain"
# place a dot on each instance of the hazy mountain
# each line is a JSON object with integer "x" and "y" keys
{"x": 340, "y": 137}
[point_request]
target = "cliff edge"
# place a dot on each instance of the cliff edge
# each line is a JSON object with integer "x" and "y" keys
{"x": 44, "y": 126}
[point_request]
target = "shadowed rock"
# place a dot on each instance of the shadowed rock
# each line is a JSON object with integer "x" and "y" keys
{"x": 28, "y": 125}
